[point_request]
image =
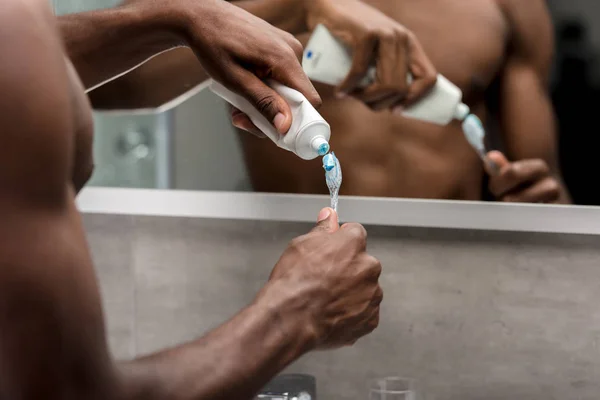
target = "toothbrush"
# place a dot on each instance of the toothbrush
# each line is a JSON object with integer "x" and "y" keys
{"x": 333, "y": 178}
{"x": 475, "y": 135}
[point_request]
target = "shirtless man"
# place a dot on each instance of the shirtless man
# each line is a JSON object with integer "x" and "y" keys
{"x": 473, "y": 43}
{"x": 497, "y": 51}
{"x": 322, "y": 293}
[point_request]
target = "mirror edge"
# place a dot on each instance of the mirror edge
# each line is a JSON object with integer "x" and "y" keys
{"x": 366, "y": 210}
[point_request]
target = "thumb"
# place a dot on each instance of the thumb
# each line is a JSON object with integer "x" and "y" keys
{"x": 266, "y": 100}
{"x": 496, "y": 162}
{"x": 327, "y": 221}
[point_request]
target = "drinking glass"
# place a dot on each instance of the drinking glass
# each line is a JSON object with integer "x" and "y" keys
{"x": 393, "y": 388}
{"x": 290, "y": 387}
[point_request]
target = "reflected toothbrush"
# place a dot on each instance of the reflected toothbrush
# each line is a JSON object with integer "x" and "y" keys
{"x": 475, "y": 134}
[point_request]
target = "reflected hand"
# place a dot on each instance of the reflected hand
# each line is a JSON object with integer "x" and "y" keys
{"x": 240, "y": 50}
{"x": 525, "y": 181}
{"x": 330, "y": 282}
{"x": 376, "y": 40}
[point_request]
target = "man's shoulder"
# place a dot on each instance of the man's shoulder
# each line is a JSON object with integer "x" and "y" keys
{"x": 532, "y": 34}
{"x": 22, "y": 20}
{"x": 525, "y": 14}
{"x": 34, "y": 106}
{"x": 13, "y": 11}
{"x": 517, "y": 6}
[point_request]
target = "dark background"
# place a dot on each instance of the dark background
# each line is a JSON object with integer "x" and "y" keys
{"x": 576, "y": 95}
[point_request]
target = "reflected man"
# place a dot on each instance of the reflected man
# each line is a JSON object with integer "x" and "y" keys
{"x": 498, "y": 52}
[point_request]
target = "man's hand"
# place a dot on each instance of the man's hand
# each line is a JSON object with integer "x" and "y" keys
{"x": 525, "y": 181}
{"x": 375, "y": 40}
{"x": 240, "y": 51}
{"x": 328, "y": 278}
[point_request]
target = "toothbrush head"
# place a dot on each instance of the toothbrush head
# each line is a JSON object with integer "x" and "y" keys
{"x": 474, "y": 133}
{"x": 333, "y": 177}
{"x": 329, "y": 162}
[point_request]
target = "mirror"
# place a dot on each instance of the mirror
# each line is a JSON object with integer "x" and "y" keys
{"x": 188, "y": 143}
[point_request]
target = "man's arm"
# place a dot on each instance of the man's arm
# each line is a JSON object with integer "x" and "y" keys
{"x": 52, "y": 339}
{"x": 374, "y": 39}
{"x": 526, "y": 115}
{"x": 233, "y": 46}
{"x": 159, "y": 79}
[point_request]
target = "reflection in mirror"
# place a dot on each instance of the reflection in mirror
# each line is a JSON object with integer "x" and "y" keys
{"x": 534, "y": 107}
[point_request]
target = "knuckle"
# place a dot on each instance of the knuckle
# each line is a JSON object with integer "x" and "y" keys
{"x": 374, "y": 265}
{"x": 430, "y": 77}
{"x": 374, "y": 321}
{"x": 283, "y": 57}
{"x": 542, "y": 166}
{"x": 278, "y": 58}
{"x": 295, "y": 45}
{"x": 403, "y": 36}
{"x": 552, "y": 186}
{"x": 388, "y": 35}
{"x": 378, "y": 295}
{"x": 356, "y": 232}
{"x": 265, "y": 104}
{"x": 293, "y": 52}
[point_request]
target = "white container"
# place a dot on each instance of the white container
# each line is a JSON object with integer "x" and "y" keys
{"x": 328, "y": 60}
{"x": 308, "y": 137}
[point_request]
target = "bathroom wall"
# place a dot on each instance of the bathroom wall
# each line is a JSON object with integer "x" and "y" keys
{"x": 472, "y": 315}
{"x": 71, "y": 6}
{"x": 198, "y": 133}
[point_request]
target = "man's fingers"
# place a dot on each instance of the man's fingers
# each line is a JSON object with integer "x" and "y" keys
{"x": 327, "y": 221}
{"x": 292, "y": 75}
{"x": 389, "y": 88}
{"x": 392, "y": 62}
{"x": 363, "y": 56}
{"x": 517, "y": 174}
{"x": 495, "y": 163}
{"x": 499, "y": 159}
{"x": 423, "y": 73}
{"x": 545, "y": 191}
{"x": 356, "y": 233}
{"x": 270, "y": 104}
{"x": 241, "y": 121}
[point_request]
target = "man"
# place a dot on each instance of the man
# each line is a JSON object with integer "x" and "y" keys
{"x": 323, "y": 292}
{"x": 497, "y": 51}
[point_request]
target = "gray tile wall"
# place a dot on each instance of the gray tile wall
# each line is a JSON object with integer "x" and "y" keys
{"x": 472, "y": 315}
{"x": 72, "y": 6}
